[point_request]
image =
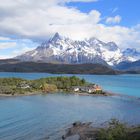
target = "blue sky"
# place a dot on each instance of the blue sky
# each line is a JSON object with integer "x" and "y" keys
{"x": 35, "y": 21}
{"x": 128, "y": 9}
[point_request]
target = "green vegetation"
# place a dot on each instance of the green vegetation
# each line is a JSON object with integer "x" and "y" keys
{"x": 119, "y": 131}
{"x": 51, "y": 84}
{"x": 99, "y": 92}
{"x": 112, "y": 130}
{"x": 10, "y": 86}
{"x": 49, "y": 88}
{"x": 17, "y": 66}
{"x": 62, "y": 82}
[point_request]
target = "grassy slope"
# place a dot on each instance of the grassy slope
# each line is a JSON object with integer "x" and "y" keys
{"x": 56, "y": 68}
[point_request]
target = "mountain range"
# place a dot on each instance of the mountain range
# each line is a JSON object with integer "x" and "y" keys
{"x": 63, "y": 50}
{"x": 129, "y": 66}
{"x": 60, "y": 54}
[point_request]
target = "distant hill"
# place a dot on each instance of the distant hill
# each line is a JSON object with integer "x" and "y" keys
{"x": 9, "y": 61}
{"x": 129, "y": 66}
{"x": 17, "y": 66}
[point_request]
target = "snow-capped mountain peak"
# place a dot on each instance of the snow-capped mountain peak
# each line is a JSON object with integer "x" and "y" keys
{"x": 56, "y": 37}
{"x": 132, "y": 52}
{"x": 60, "y": 49}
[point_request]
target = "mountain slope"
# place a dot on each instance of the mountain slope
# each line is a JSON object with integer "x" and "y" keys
{"x": 133, "y": 66}
{"x": 57, "y": 68}
{"x": 131, "y": 52}
{"x": 60, "y": 49}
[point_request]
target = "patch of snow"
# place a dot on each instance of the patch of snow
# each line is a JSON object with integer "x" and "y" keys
{"x": 71, "y": 51}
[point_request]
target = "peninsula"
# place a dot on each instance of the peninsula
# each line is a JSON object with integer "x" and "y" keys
{"x": 73, "y": 84}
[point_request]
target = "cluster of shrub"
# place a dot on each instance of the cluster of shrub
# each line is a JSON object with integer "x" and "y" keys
{"x": 10, "y": 86}
{"x": 49, "y": 84}
{"x": 118, "y": 131}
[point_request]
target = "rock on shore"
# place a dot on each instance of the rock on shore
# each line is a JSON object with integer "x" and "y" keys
{"x": 81, "y": 131}
{"x": 113, "y": 129}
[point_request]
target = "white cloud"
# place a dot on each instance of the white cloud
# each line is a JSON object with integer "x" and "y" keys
{"x": 13, "y": 47}
{"x": 38, "y": 20}
{"x": 113, "y": 20}
{"x": 4, "y": 38}
{"x": 21, "y": 51}
{"x": 24, "y": 45}
{"x": 5, "y": 45}
{"x": 4, "y": 56}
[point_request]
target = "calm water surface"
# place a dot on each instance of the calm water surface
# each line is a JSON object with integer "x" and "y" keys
{"x": 122, "y": 84}
{"x": 41, "y": 116}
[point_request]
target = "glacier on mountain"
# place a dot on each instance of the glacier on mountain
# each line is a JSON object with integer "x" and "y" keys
{"x": 60, "y": 49}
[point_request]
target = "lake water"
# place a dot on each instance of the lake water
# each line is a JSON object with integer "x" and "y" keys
{"x": 122, "y": 84}
{"x": 41, "y": 116}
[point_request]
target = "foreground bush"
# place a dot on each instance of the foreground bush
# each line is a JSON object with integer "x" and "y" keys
{"x": 118, "y": 131}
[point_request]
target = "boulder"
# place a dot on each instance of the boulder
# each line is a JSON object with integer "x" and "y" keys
{"x": 73, "y": 137}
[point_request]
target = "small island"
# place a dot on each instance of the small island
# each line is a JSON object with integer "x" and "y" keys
{"x": 63, "y": 84}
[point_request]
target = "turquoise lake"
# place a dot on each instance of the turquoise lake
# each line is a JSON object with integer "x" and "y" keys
{"x": 42, "y": 117}
{"x": 122, "y": 84}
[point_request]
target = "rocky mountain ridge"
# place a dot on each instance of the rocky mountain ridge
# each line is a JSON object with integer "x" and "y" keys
{"x": 60, "y": 49}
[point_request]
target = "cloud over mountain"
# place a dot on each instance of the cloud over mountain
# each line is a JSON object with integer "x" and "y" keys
{"x": 38, "y": 20}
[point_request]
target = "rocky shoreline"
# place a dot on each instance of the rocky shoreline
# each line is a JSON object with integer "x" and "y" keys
{"x": 115, "y": 130}
{"x": 15, "y": 95}
{"x": 92, "y": 94}
{"x": 41, "y": 93}
{"x": 80, "y": 131}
